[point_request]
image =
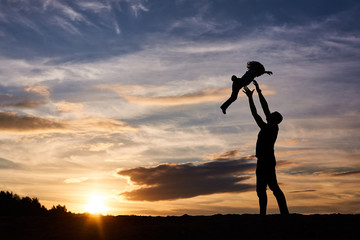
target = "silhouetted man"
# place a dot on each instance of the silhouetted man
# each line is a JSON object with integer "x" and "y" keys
{"x": 265, "y": 168}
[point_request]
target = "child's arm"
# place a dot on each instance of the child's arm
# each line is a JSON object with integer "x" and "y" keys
{"x": 256, "y": 116}
{"x": 263, "y": 102}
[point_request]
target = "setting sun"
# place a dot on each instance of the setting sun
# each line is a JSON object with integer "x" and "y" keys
{"x": 96, "y": 205}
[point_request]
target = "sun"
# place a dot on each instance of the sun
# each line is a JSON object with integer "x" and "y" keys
{"x": 96, "y": 205}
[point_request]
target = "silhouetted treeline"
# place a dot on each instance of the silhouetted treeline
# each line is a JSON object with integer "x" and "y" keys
{"x": 13, "y": 205}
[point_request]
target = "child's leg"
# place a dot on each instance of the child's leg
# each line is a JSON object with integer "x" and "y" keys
{"x": 231, "y": 99}
{"x": 235, "y": 91}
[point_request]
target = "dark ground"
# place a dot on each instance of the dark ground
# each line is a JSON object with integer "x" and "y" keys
{"x": 219, "y": 227}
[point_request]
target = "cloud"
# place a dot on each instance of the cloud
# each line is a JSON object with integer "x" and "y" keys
{"x": 291, "y": 153}
{"x": 19, "y": 97}
{"x": 319, "y": 169}
{"x": 66, "y": 107}
{"x": 7, "y": 164}
{"x": 347, "y": 173}
{"x": 58, "y": 27}
{"x": 25, "y": 104}
{"x": 303, "y": 191}
{"x": 76, "y": 180}
{"x": 225, "y": 155}
{"x": 12, "y": 122}
{"x": 66, "y": 25}
{"x": 96, "y": 7}
{"x": 98, "y": 124}
{"x": 290, "y": 142}
{"x": 117, "y": 28}
{"x": 207, "y": 95}
{"x": 39, "y": 89}
{"x": 176, "y": 181}
{"x": 149, "y": 95}
{"x": 65, "y": 10}
{"x": 199, "y": 21}
{"x": 137, "y": 8}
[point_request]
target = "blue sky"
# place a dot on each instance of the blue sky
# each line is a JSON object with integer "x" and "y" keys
{"x": 97, "y": 96}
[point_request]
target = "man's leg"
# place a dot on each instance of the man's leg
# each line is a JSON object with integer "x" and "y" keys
{"x": 279, "y": 195}
{"x": 261, "y": 191}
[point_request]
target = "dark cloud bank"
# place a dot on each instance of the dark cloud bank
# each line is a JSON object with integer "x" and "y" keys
{"x": 14, "y": 122}
{"x": 7, "y": 164}
{"x": 176, "y": 181}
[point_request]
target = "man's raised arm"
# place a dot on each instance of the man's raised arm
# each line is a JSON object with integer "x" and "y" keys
{"x": 263, "y": 102}
{"x": 256, "y": 116}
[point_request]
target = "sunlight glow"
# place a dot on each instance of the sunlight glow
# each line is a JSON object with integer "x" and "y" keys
{"x": 96, "y": 205}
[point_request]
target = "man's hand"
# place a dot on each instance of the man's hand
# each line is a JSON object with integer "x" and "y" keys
{"x": 257, "y": 86}
{"x": 269, "y": 72}
{"x": 248, "y": 92}
{"x": 263, "y": 102}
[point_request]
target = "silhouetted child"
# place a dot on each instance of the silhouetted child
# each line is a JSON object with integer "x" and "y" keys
{"x": 255, "y": 69}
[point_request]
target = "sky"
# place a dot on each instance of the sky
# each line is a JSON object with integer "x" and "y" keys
{"x": 119, "y": 100}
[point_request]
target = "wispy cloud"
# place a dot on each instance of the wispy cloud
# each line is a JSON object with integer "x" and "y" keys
{"x": 98, "y": 124}
{"x": 94, "y": 6}
{"x": 7, "y": 164}
{"x": 225, "y": 156}
{"x": 347, "y": 173}
{"x": 291, "y": 142}
{"x": 19, "y": 97}
{"x": 25, "y": 104}
{"x": 142, "y": 94}
{"x": 207, "y": 95}
{"x": 66, "y": 10}
{"x": 303, "y": 191}
{"x": 201, "y": 22}
{"x": 138, "y": 7}
{"x": 66, "y": 107}
{"x": 66, "y": 25}
{"x": 76, "y": 180}
{"x": 13, "y": 122}
{"x": 42, "y": 90}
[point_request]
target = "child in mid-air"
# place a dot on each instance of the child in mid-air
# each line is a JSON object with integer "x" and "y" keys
{"x": 255, "y": 69}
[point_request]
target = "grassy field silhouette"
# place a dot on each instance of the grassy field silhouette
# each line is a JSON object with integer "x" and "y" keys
{"x": 26, "y": 218}
{"x": 75, "y": 226}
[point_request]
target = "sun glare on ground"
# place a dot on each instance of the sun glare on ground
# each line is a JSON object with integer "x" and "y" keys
{"x": 96, "y": 205}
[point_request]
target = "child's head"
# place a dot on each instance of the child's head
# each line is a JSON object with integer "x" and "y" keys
{"x": 256, "y": 66}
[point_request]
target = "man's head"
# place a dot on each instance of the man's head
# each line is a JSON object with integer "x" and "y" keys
{"x": 275, "y": 118}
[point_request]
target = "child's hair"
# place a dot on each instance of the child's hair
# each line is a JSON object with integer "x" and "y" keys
{"x": 258, "y": 67}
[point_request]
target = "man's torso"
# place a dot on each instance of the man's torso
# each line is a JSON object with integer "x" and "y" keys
{"x": 265, "y": 144}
